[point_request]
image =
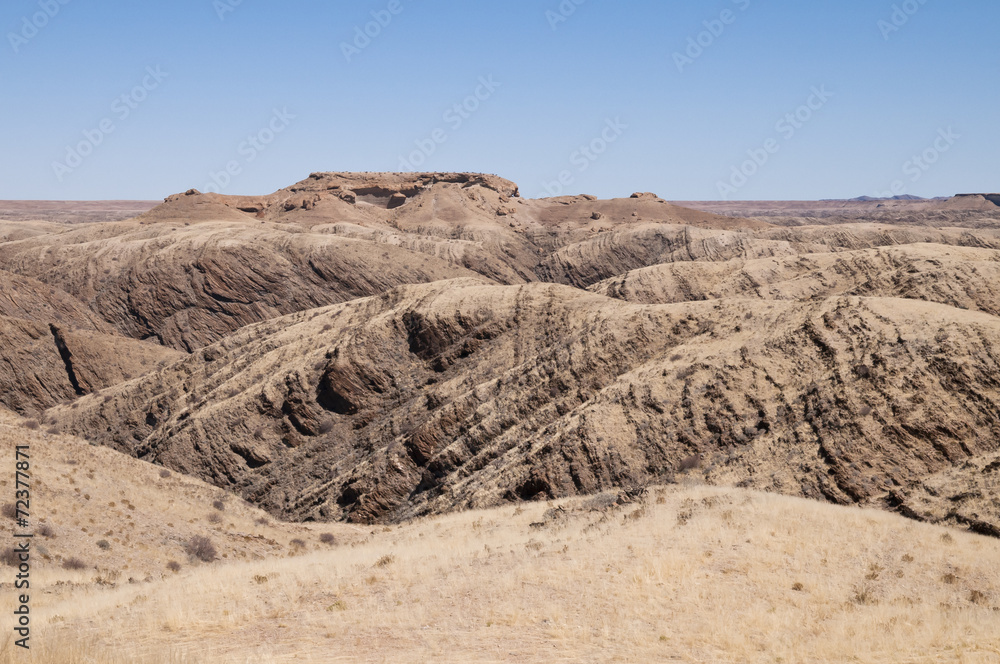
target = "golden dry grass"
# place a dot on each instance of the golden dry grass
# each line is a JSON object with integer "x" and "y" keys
{"x": 687, "y": 573}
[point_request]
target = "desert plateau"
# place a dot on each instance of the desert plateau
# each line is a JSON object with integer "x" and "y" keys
{"x": 417, "y": 417}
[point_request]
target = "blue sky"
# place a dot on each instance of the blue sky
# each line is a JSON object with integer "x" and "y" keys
{"x": 781, "y": 99}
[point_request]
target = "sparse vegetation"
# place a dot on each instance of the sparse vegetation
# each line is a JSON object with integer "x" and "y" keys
{"x": 103, "y": 544}
{"x": 327, "y": 538}
{"x": 74, "y": 563}
{"x": 201, "y": 547}
{"x": 164, "y": 473}
{"x": 174, "y": 566}
{"x": 10, "y": 557}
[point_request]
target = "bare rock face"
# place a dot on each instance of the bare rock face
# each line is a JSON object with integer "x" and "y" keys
{"x": 48, "y": 364}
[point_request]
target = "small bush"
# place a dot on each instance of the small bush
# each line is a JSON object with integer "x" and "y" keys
{"x": 328, "y": 538}
{"x": 219, "y": 505}
{"x": 52, "y": 431}
{"x": 258, "y": 433}
{"x": 10, "y": 557}
{"x": 32, "y": 424}
{"x": 385, "y": 561}
{"x": 45, "y": 530}
{"x": 174, "y": 566}
{"x": 978, "y": 597}
{"x": 74, "y": 564}
{"x": 164, "y": 473}
{"x": 103, "y": 544}
{"x": 690, "y": 462}
{"x": 684, "y": 374}
{"x": 214, "y": 517}
{"x": 9, "y": 510}
{"x": 201, "y": 547}
{"x": 326, "y": 427}
{"x": 297, "y": 543}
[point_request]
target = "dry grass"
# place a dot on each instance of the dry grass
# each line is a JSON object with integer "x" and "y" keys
{"x": 688, "y": 573}
{"x": 746, "y": 577}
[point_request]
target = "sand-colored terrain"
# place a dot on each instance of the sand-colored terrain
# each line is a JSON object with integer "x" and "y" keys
{"x": 421, "y": 418}
{"x": 686, "y": 572}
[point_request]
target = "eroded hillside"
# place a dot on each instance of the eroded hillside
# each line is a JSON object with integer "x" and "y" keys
{"x": 372, "y": 347}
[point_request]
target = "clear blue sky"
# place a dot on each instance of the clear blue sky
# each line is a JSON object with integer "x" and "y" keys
{"x": 927, "y": 89}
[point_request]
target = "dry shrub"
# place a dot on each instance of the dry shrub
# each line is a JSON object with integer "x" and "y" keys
{"x": 103, "y": 544}
{"x": 328, "y": 538}
{"x": 219, "y": 505}
{"x": 164, "y": 473}
{"x": 32, "y": 424}
{"x": 684, "y": 374}
{"x": 45, "y": 530}
{"x": 201, "y": 547}
{"x": 74, "y": 564}
{"x": 690, "y": 462}
{"x": 9, "y": 510}
{"x": 10, "y": 557}
{"x": 174, "y": 566}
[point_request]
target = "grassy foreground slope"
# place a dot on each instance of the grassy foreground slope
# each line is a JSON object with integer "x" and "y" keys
{"x": 686, "y": 572}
